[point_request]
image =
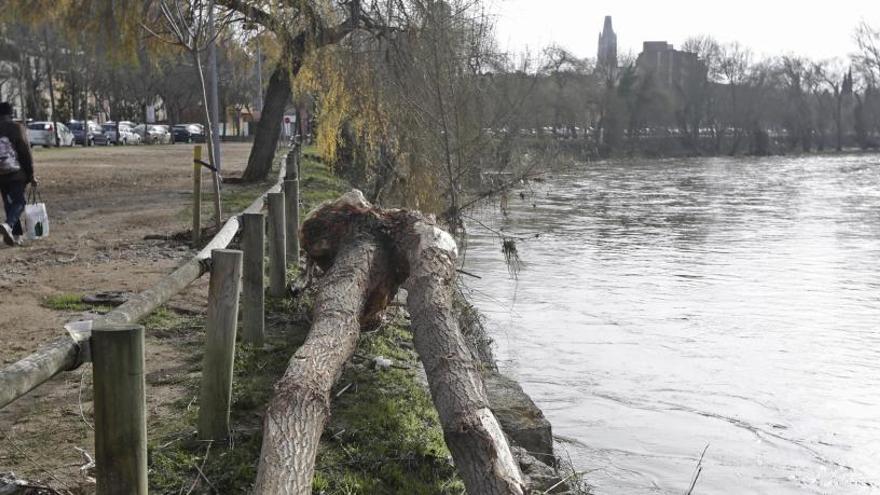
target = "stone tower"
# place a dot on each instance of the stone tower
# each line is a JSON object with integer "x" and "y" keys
{"x": 606, "y": 57}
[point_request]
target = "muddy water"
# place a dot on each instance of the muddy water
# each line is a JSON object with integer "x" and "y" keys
{"x": 671, "y": 305}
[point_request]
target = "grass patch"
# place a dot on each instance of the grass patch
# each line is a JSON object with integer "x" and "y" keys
{"x": 73, "y": 302}
{"x": 384, "y": 436}
{"x": 234, "y": 198}
{"x": 175, "y": 452}
{"x": 66, "y": 302}
{"x": 161, "y": 319}
{"x": 318, "y": 184}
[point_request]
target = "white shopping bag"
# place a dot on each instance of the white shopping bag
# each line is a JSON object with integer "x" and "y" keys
{"x": 35, "y": 219}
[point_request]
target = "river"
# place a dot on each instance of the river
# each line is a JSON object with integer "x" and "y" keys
{"x": 668, "y": 305}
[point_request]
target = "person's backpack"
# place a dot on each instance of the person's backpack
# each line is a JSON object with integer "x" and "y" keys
{"x": 8, "y": 157}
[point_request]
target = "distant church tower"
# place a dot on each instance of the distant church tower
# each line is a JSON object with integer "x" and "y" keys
{"x": 607, "y": 53}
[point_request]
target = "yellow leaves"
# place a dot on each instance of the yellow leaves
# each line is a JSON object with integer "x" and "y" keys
{"x": 346, "y": 95}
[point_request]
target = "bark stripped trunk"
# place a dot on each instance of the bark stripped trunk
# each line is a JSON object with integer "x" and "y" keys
{"x": 348, "y": 238}
{"x": 358, "y": 284}
{"x": 472, "y": 433}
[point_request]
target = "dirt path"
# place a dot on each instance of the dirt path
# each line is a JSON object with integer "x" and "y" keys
{"x": 102, "y": 203}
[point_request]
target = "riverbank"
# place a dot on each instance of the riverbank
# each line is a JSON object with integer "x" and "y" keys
{"x": 383, "y": 436}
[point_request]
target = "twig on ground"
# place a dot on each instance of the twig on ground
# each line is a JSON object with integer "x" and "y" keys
{"x": 37, "y": 465}
{"x": 90, "y": 463}
{"x": 562, "y": 481}
{"x": 344, "y": 389}
{"x": 82, "y": 413}
{"x": 201, "y": 474}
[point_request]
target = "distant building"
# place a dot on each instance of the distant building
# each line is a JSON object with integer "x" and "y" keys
{"x": 670, "y": 67}
{"x": 606, "y": 57}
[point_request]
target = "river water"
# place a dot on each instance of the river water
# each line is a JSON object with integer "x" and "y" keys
{"x": 673, "y": 304}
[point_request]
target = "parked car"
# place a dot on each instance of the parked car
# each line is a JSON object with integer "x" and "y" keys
{"x": 189, "y": 133}
{"x": 152, "y": 134}
{"x": 86, "y": 134}
{"x": 169, "y": 133}
{"x": 126, "y": 134}
{"x": 180, "y": 134}
{"x": 42, "y": 133}
{"x": 101, "y": 138}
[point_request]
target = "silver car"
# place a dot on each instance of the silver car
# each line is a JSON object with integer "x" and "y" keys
{"x": 152, "y": 134}
{"x": 127, "y": 135}
{"x": 43, "y": 133}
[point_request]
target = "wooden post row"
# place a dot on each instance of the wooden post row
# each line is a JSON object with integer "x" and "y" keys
{"x": 253, "y": 278}
{"x": 216, "y": 390}
{"x": 197, "y": 196}
{"x": 120, "y": 419}
{"x": 277, "y": 245}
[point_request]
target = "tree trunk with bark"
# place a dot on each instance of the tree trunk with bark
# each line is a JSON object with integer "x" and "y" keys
{"x": 269, "y": 126}
{"x": 357, "y": 285}
{"x": 367, "y": 253}
{"x": 472, "y": 432}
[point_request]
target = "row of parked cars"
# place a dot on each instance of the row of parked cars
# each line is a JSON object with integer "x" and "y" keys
{"x": 90, "y": 133}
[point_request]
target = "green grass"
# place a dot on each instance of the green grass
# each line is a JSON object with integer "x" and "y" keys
{"x": 318, "y": 184}
{"x": 73, "y": 302}
{"x": 383, "y": 436}
{"x": 66, "y": 302}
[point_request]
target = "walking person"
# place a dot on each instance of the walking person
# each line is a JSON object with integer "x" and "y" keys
{"x": 16, "y": 172}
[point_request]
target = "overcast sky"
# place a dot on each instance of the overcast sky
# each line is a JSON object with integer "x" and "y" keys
{"x": 771, "y": 27}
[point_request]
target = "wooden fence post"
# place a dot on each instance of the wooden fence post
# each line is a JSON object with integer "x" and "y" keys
{"x": 277, "y": 245}
{"x": 216, "y": 391}
{"x": 253, "y": 278}
{"x": 292, "y": 164}
{"x": 197, "y": 196}
{"x": 291, "y": 214}
{"x": 120, "y": 421}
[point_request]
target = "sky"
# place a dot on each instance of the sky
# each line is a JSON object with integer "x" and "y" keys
{"x": 769, "y": 27}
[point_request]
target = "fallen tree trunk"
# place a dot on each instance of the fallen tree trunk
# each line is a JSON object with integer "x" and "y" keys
{"x": 358, "y": 275}
{"x": 367, "y": 253}
{"x": 472, "y": 433}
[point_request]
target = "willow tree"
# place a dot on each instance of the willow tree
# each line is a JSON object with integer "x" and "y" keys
{"x": 417, "y": 113}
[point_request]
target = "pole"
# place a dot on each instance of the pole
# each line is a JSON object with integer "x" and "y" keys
{"x": 291, "y": 196}
{"x": 216, "y": 391}
{"x": 197, "y": 196}
{"x": 253, "y": 278}
{"x": 291, "y": 215}
{"x": 120, "y": 420}
{"x": 277, "y": 245}
{"x": 215, "y": 104}
{"x": 259, "y": 104}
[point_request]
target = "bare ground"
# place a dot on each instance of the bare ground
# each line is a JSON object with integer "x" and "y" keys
{"x": 102, "y": 203}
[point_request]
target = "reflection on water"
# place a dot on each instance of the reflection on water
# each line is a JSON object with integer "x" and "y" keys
{"x": 672, "y": 304}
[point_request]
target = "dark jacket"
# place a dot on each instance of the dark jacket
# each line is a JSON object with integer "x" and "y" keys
{"x": 18, "y": 137}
